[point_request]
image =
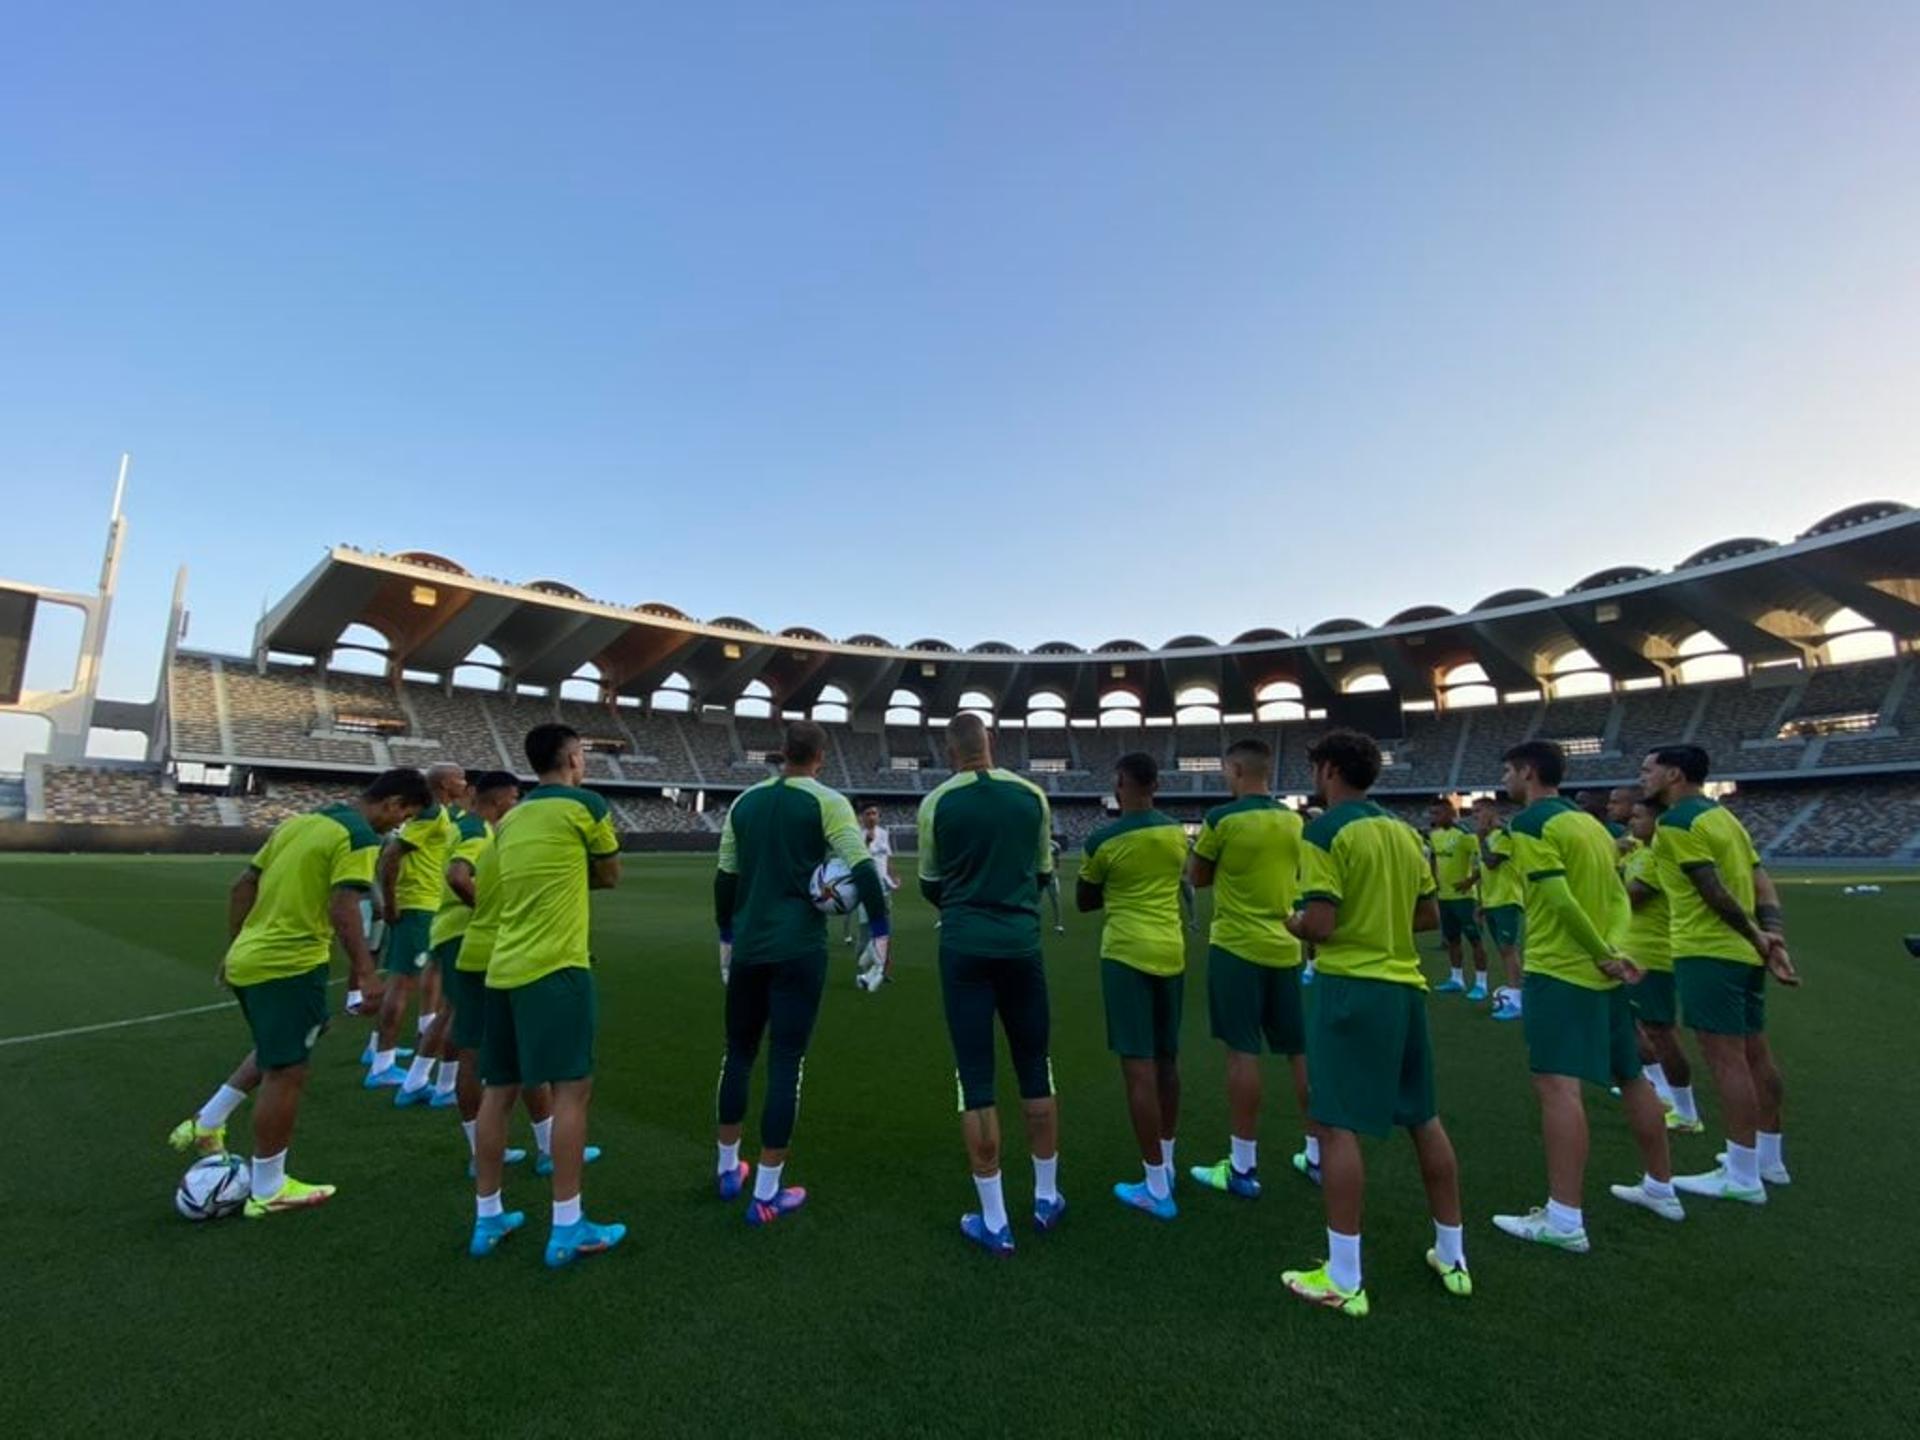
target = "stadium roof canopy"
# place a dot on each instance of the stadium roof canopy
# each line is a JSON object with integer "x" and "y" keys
{"x": 1764, "y": 602}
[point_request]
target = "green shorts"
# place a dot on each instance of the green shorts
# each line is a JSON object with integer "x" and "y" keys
{"x": 1457, "y": 922}
{"x": 1653, "y": 999}
{"x": 444, "y": 956}
{"x": 1369, "y": 1057}
{"x": 467, "y": 989}
{"x": 1503, "y": 923}
{"x": 409, "y": 944}
{"x": 1572, "y": 1030}
{"x": 1722, "y": 997}
{"x": 1143, "y": 1011}
{"x": 975, "y": 990}
{"x": 541, "y": 1032}
{"x": 286, "y": 1016}
{"x": 1250, "y": 1003}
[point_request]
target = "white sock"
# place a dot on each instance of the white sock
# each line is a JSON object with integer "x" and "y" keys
{"x": 382, "y": 1060}
{"x": 1166, "y": 1154}
{"x": 1769, "y": 1148}
{"x": 1157, "y": 1181}
{"x": 1313, "y": 1149}
{"x": 269, "y": 1174}
{"x": 1449, "y": 1244}
{"x": 418, "y": 1073}
{"x": 1246, "y": 1155}
{"x": 487, "y": 1206}
{"x": 766, "y": 1183}
{"x": 1456, "y": 975}
{"x": 214, "y": 1113}
{"x": 729, "y": 1159}
{"x": 448, "y": 1078}
{"x": 1743, "y": 1165}
{"x": 426, "y": 1022}
{"x": 353, "y": 1001}
{"x": 566, "y": 1212}
{"x": 1046, "y": 1178}
{"x": 1657, "y": 1078}
{"x": 993, "y": 1201}
{"x": 1659, "y": 1189}
{"x": 1565, "y": 1218}
{"x": 1343, "y": 1259}
{"x": 471, "y": 1129}
{"x": 543, "y": 1135}
{"x": 1683, "y": 1104}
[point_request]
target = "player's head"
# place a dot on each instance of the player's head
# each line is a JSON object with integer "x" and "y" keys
{"x": 1441, "y": 814}
{"x": 1531, "y": 766}
{"x": 1642, "y": 816}
{"x": 804, "y": 748}
{"x": 1344, "y": 758}
{"x": 556, "y": 754}
{"x": 1672, "y": 768}
{"x": 1135, "y": 778}
{"x": 447, "y": 781}
{"x": 1486, "y": 814}
{"x": 494, "y": 793}
{"x": 395, "y": 798}
{"x": 1249, "y": 762}
{"x": 967, "y": 743}
{"x": 871, "y": 815}
{"x": 1620, "y": 803}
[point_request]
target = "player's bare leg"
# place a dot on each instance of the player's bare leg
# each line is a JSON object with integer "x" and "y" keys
{"x": 276, "y": 1105}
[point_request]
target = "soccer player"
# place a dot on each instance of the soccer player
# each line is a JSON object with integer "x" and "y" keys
{"x": 1649, "y": 942}
{"x": 1365, "y": 888}
{"x": 1248, "y": 853}
{"x": 1133, "y": 870}
{"x": 1728, "y": 935}
{"x": 874, "y": 970}
{"x": 413, "y": 874}
{"x": 984, "y": 858}
{"x": 1502, "y": 900}
{"x": 301, "y": 890}
{"x": 773, "y": 949}
{"x": 548, "y": 852}
{"x": 1579, "y": 1025}
{"x": 1455, "y": 871}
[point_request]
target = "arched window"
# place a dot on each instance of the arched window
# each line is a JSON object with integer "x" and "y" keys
{"x": 1279, "y": 700}
{"x": 674, "y": 693}
{"x": 360, "y": 650}
{"x": 1465, "y": 686}
{"x": 903, "y": 708}
{"x": 1577, "y": 673}
{"x": 1046, "y": 711}
{"x": 1119, "y": 710}
{"x": 583, "y": 684}
{"x": 1850, "y": 636}
{"x": 1703, "y": 657}
{"x": 755, "y": 702}
{"x": 480, "y": 670}
{"x": 1364, "y": 682}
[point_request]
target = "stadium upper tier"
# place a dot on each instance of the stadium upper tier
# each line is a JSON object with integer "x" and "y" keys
{"x": 1757, "y": 603}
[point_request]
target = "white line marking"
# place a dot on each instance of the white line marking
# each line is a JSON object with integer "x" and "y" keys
{"x": 123, "y": 1024}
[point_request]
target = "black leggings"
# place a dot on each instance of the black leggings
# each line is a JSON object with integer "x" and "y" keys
{"x": 1014, "y": 987}
{"x": 780, "y": 1001}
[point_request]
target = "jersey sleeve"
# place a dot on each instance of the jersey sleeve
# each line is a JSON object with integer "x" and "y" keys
{"x": 1320, "y": 874}
{"x": 353, "y": 865}
{"x": 842, "y": 830}
{"x": 1094, "y": 864}
{"x": 729, "y": 847}
{"x": 264, "y": 855}
{"x": 1537, "y": 855}
{"x": 1207, "y": 844}
{"x": 1680, "y": 844}
{"x": 597, "y": 828}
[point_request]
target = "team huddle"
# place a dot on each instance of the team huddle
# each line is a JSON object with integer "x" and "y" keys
{"x": 485, "y": 895}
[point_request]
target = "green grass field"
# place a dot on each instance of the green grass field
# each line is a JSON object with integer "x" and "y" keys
{"x": 866, "y": 1314}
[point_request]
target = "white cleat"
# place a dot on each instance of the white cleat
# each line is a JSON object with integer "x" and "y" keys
{"x": 1771, "y": 1174}
{"x": 1667, "y": 1207}
{"x": 1535, "y": 1226}
{"x": 1719, "y": 1185}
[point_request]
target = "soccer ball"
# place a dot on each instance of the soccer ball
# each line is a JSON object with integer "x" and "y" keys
{"x": 832, "y": 889}
{"x": 214, "y": 1187}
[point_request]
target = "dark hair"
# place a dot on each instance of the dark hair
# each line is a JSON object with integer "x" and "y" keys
{"x": 1690, "y": 760}
{"x": 1440, "y": 802}
{"x": 1488, "y": 801}
{"x": 487, "y": 781}
{"x": 402, "y": 784}
{"x": 1547, "y": 760}
{"x": 805, "y": 741}
{"x": 545, "y": 745}
{"x": 1354, "y": 757}
{"x": 1650, "y": 805}
{"x": 1252, "y": 748}
{"x": 1139, "y": 767}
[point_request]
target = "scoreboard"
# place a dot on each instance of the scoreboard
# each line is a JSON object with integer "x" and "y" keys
{"x": 16, "y": 626}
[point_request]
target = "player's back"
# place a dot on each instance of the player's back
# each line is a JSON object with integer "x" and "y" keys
{"x": 1502, "y": 884}
{"x": 1139, "y": 862}
{"x": 430, "y": 838}
{"x": 986, "y": 840}
{"x": 1555, "y": 837}
{"x": 305, "y": 858}
{"x": 1693, "y": 833}
{"x": 1253, "y": 844}
{"x": 776, "y": 834}
{"x": 1372, "y": 866}
{"x": 1648, "y": 939}
{"x": 541, "y": 850}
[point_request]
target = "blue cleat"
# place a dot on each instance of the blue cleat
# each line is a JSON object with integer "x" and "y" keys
{"x": 1047, "y": 1215}
{"x": 444, "y": 1099}
{"x": 733, "y": 1181}
{"x": 1305, "y": 1167}
{"x": 569, "y": 1242}
{"x": 765, "y": 1212}
{"x": 1449, "y": 986}
{"x": 399, "y": 1056}
{"x": 513, "y": 1156}
{"x": 1139, "y": 1197}
{"x": 544, "y": 1165}
{"x": 391, "y": 1078}
{"x": 1477, "y": 993}
{"x": 419, "y": 1095}
{"x": 994, "y": 1242}
{"x": 1306, "y": 974}
{"x": 1222, "y": 1176}
{"x": 490, "y": 1230}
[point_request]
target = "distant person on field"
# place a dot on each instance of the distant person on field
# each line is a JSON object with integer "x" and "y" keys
{"x": 412, "y": 878}
{"x": 1502, "y": 901}
{"x": 1457, "y": 874}
{"x": 1655, "y": 1002}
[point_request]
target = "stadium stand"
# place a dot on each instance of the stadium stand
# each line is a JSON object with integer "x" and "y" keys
{"x": 1858, "y": 822}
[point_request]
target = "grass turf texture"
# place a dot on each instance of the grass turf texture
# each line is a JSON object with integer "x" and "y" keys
{"x": 866, "y": 1313}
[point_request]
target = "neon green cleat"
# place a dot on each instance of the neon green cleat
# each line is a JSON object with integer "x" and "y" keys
{"x": 188, "y": 1135}
{"x": 1677, "y": 1126}
{"x": 1454, "y": 1279}
{"x": 292, "y": 1195}
{"x": 1317, "y": 1288}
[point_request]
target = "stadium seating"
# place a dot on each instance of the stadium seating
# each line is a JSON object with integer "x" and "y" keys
{"x": 1858, "y": 821}
{"x": 100, "y": 795}
{"x": 1741, "y": 727}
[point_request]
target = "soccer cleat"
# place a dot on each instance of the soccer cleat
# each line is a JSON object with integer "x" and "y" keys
{"x": 444, "y": 1099}
{"x": 730, "y": 1182}
{"x": 1535, "y": 1226}
{"x": 1478, "y": 992}
{"x": 1139, "y": 1197}
{"x": 513, "y": 1155}
{"x": 568, "y": 1243}
{"x": 292, "y": 1195}
{"x": 419, "y": 1095}
{"x": 1677, "y": 1126}
{"x": 994, "y": 1242}
{"x": 1222, "y": 1176}
{"x": 1771, "y": 1174}
{"x": 1507, "y": 1008}
{"x": 1047, "y": 1214}
{"x": 391, "y": 1078}
{"x": 544, "y": 1165}
{"x": 1449, "y": 986}
{"x": 1317, "y": 1288}
{"x": 1454, "y": 1279}
{"x": 1667, "y": 1207}
{"x": 366, "y": 1055}
{"x": 1719, "y": 1184}
{"x": 1308, "y": 1169}
{"x": 490, "y": 1230}
{"x": 1307, "y": 973}
{"x": 188, "y": 1135}
{"x": 765, "y": 1212}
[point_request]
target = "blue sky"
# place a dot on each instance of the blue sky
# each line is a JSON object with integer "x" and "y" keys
{"x": 977, "y": 320}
